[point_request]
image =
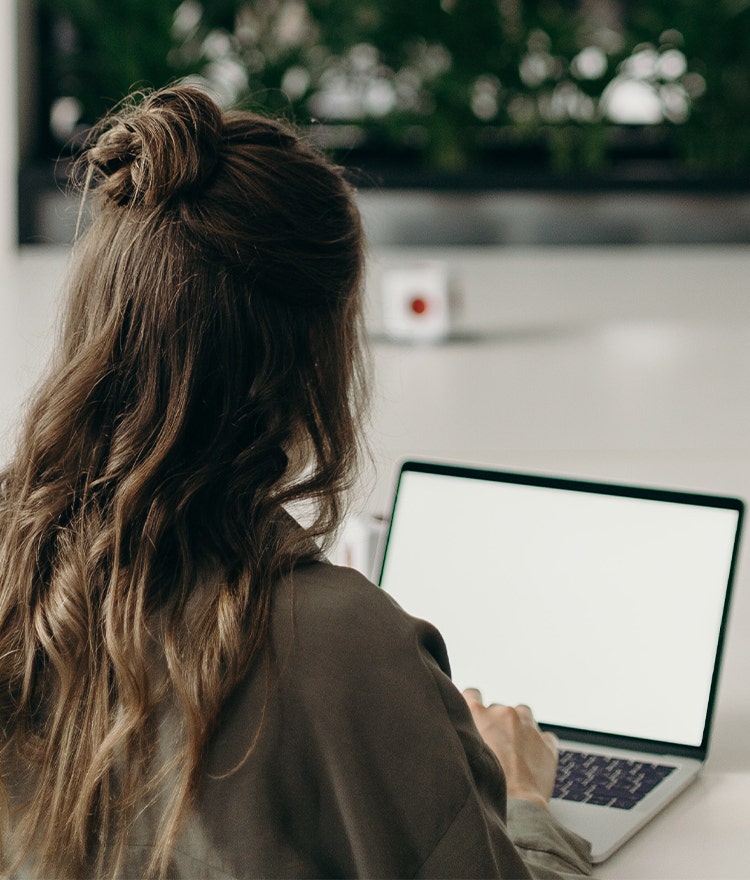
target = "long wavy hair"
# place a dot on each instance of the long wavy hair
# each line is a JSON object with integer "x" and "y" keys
{"x": 209, "y": 379}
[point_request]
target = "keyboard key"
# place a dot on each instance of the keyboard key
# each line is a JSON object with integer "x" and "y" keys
{"x": 613, "y": 782}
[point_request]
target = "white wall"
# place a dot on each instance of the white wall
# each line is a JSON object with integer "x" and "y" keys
{"x": 8, "y": 128}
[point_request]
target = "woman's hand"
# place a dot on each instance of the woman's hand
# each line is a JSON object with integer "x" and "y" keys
{"x": 527, "y": 755}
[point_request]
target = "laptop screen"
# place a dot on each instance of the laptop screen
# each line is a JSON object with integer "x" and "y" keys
{"x": 601, "y": 607}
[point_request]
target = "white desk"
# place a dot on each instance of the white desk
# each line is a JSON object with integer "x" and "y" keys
{"x": 632, "y": 366}
{"x": 703, "y": 834}
{"x": 626, "y": 364}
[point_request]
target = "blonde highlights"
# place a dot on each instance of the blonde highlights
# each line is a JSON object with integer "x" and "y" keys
{"x": 210, "y": 376}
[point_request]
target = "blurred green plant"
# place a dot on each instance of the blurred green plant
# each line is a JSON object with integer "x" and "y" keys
{"x": 446, "y": 81}
{"x": 715, "y": 41}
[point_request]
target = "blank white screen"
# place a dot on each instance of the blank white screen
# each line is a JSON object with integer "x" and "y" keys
{"x": 601, "y": 612}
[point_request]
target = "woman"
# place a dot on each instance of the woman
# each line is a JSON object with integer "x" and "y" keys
{"x": 186, "y": 687}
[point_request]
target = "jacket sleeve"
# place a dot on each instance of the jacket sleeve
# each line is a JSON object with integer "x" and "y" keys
{"x": 549, "y": 849}
{"x": 517, "y": 829}
{"x": 398, "y": 779}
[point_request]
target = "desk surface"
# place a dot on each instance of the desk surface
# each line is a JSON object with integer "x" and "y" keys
{"x": 703, "y": 834}
{"x": 629, "y": 365}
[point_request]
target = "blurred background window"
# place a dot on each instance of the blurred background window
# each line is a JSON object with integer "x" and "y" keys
{"x": 414, "y": 92}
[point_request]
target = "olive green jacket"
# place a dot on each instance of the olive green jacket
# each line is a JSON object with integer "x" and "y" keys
{"x": 365, "y": 761}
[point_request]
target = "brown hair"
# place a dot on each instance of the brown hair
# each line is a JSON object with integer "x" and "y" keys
{"x": 209, "y": 377}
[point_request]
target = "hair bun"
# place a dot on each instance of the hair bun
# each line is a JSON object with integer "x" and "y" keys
{"x": 167, "y": 145}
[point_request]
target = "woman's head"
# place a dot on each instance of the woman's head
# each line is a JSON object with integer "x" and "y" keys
{"x": 209, "y": 377}
{"x": 217, "y": 295}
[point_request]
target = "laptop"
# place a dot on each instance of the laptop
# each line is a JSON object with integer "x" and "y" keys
{"x": 603, "y": 607}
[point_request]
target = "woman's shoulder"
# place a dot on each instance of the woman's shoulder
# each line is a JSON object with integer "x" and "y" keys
{"x": 327, "y": 597}
{"x": 340, "y": 610}
{"x": 324, "y": 588}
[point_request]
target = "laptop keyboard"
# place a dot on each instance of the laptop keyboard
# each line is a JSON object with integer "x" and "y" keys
{"x": 606, "y": 781}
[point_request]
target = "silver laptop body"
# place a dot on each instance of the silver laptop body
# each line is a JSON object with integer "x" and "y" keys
{"x": 601, "y": 606}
